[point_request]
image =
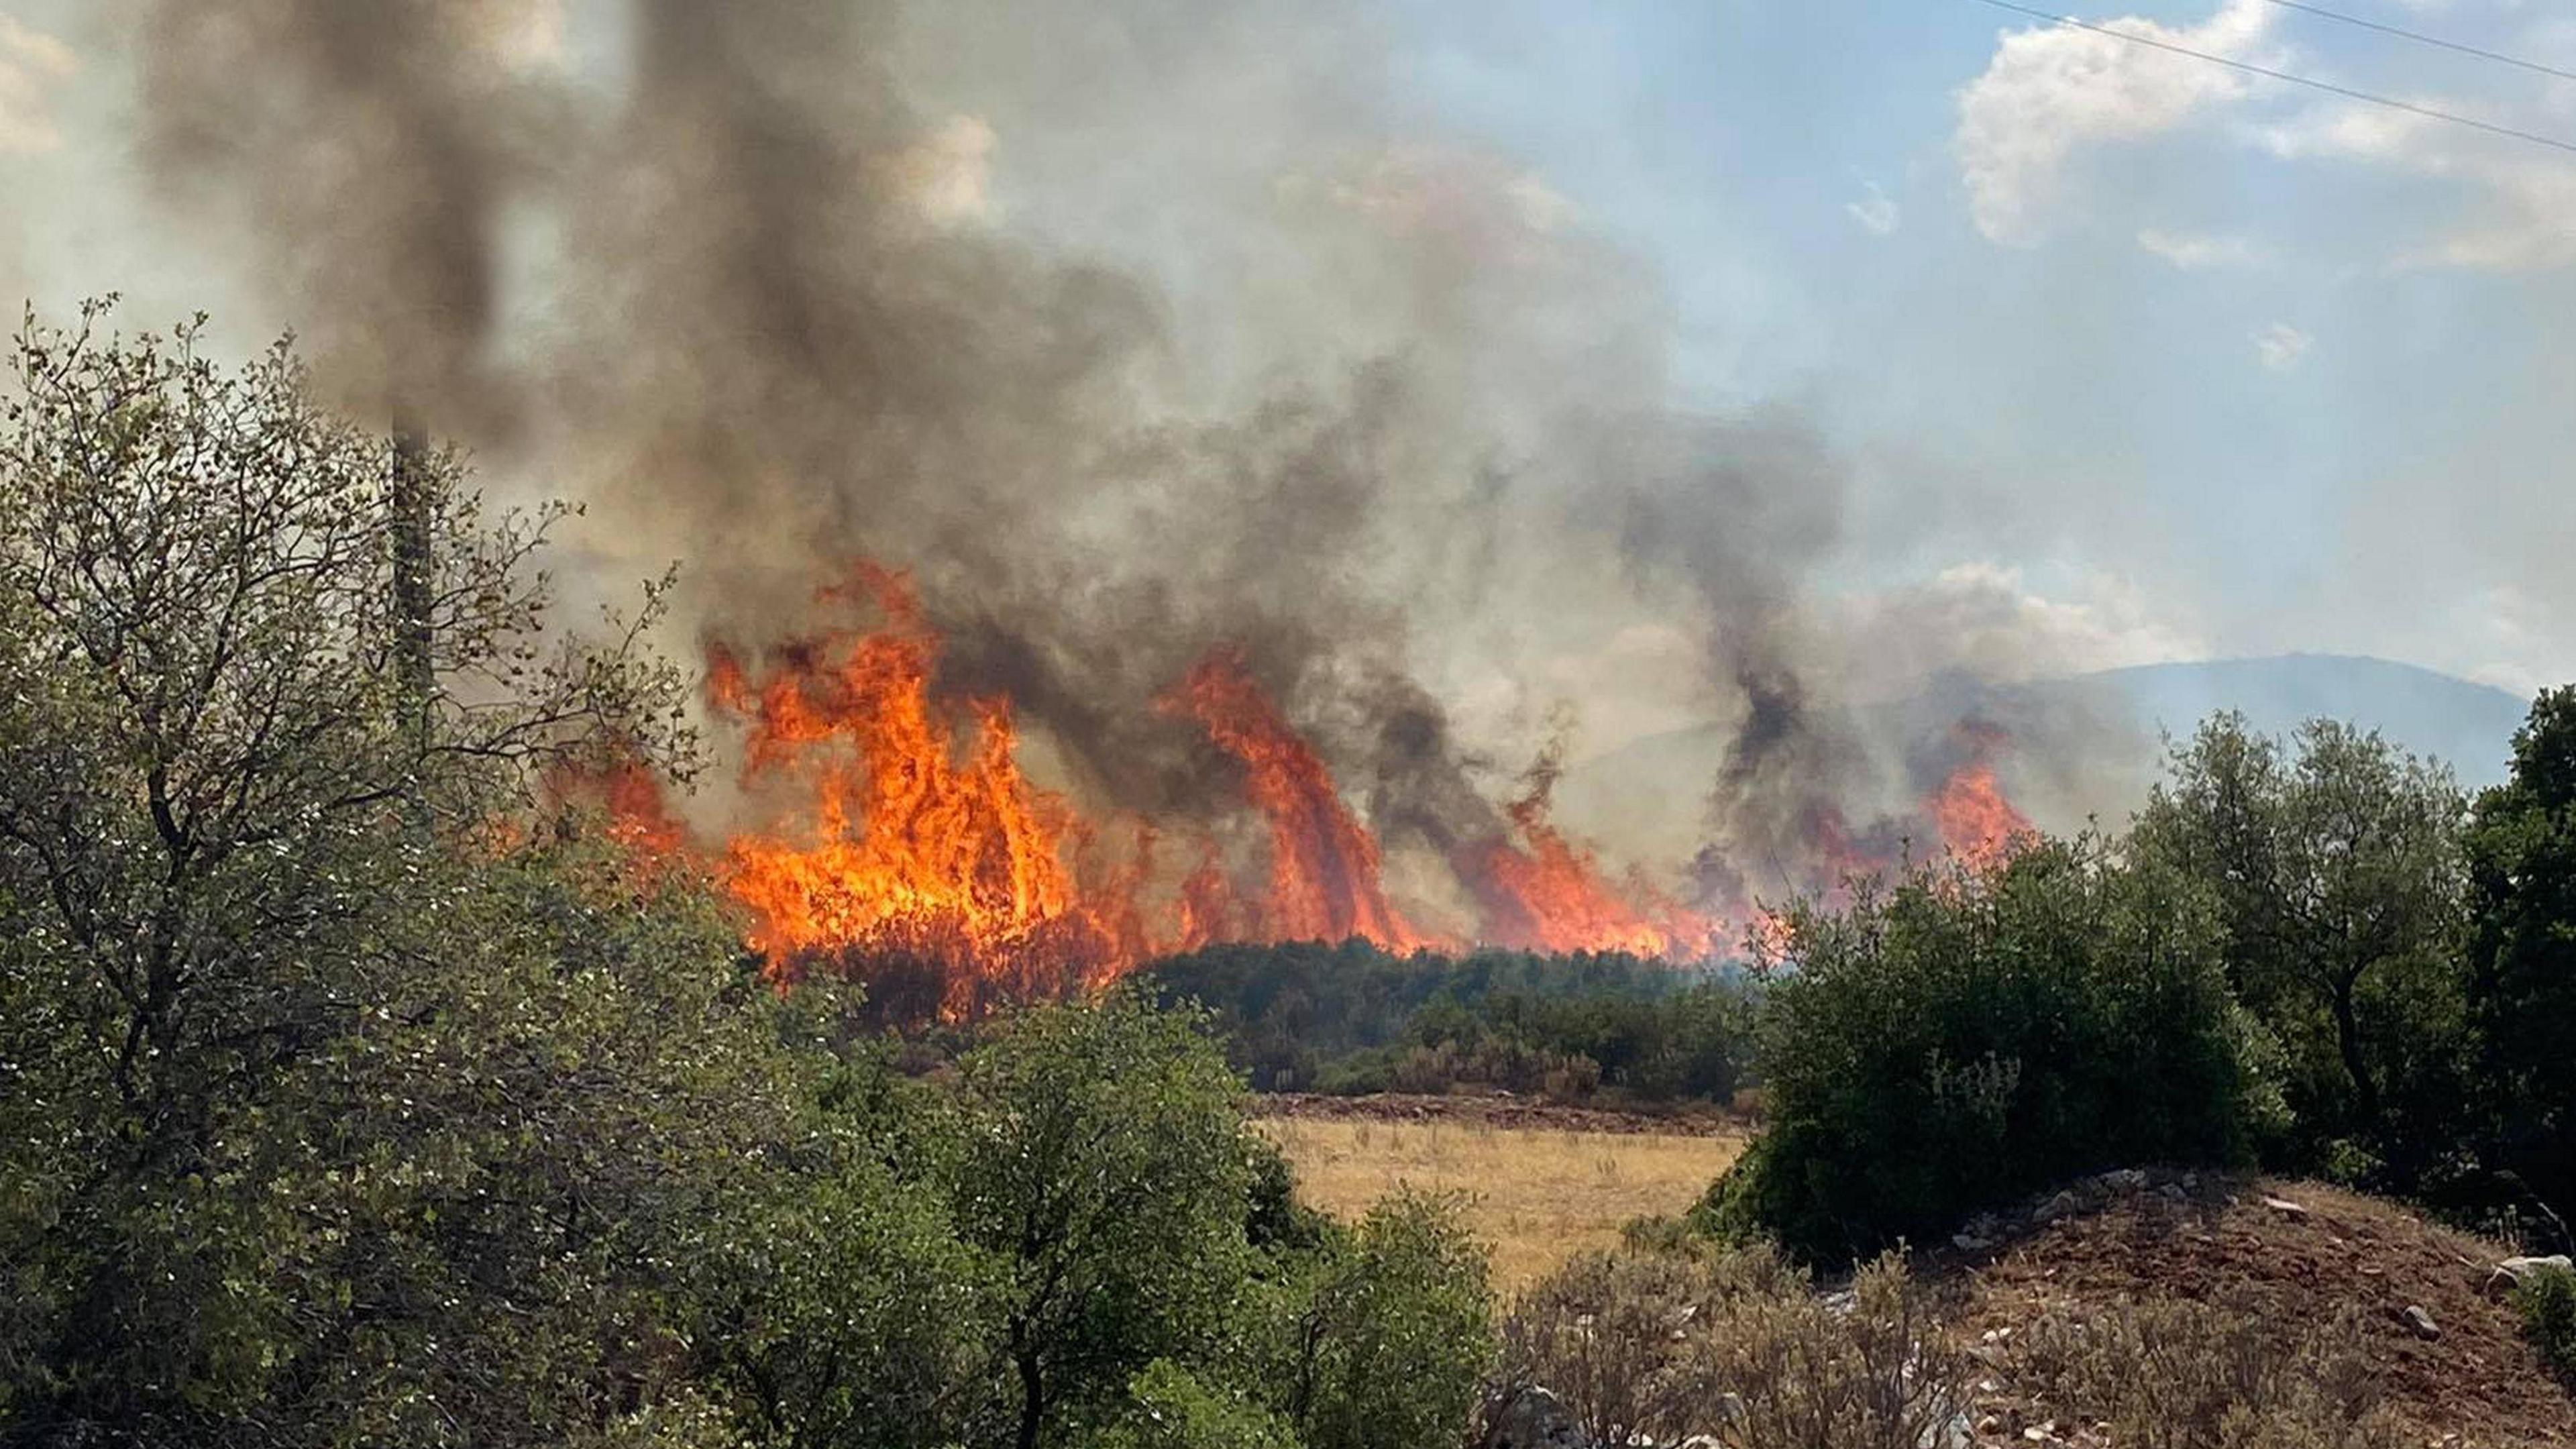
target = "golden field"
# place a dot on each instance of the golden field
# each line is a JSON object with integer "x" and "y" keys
{"x": 1538, "y": 1194}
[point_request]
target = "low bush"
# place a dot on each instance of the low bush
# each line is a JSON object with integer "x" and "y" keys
{"x": 1736, "y": 1346}
{"x": 1964, "y": 1038}
{"x": 1173, "y": 1409}
{"x": 1394, "y": 1333}
{"x": 2548, "y": 1303}
{"x": 2180, "y": 1374}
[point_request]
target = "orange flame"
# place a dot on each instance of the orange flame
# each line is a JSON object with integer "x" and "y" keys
{"x": 1324, "y": 880}
{"x": 911, "y": 845}
{"x": 1976, "y": 822}
{"x": 1548, "y": 893}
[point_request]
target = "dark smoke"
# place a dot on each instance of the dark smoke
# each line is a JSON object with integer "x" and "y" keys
{"x": 761, "y": 352}
{"x": 372, "y": 149}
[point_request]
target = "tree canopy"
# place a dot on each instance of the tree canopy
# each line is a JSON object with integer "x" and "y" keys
{"x": 358, "y": 1086}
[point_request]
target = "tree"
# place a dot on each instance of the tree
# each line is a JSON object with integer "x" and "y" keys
{"x": 836, "y": 1300}
{"x": 1394, "y": 1333}
{"x": 343, "y": 1096}
{"x": 2337, "y": 863}
{"x": 1969, "y": 1035}
{"x": 1103, "y": 1166}
{"x": 2522, "y": 953}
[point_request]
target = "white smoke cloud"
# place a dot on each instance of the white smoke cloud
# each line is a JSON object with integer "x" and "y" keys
{"x": 2052, "y": 90}
{"x": 948, "y": 175}
{"x": 1985, "y": 619}
{"x": 33, "y": 65}
{"x": 524, "y": 34}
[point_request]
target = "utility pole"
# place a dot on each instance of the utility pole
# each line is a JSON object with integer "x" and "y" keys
{"x": 414, "y": 506}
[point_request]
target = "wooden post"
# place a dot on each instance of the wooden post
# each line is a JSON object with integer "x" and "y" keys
{"x": 414, "y": 505}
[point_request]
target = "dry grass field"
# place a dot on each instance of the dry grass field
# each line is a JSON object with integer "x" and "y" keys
{"x": 1538, "y": 1194}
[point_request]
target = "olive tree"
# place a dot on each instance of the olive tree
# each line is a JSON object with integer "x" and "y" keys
{"x": 1103, "y": 1166}
{"x": 2338, "y": 865}
{"x": 2522, "y": 955}
{"x": 339, "y": 1099}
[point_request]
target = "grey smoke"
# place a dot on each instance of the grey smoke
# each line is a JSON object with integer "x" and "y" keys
{"x": 1437, "y": 417}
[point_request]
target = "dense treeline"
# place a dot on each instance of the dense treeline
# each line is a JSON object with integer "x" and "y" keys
{"x": 1353, "y": 1018}
{"x": 351, "y": 1092}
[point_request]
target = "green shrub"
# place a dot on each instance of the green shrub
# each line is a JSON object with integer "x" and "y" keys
{"x": 2548, "y": 1303}
{"x": 1104, "y": 1167}
{"x": 1174, "y": 1409}
{"x": 2522, "y": 955}
{"x": 2336, "y": 862}
{"x": 1394, "y": 1331}
{"x": 1352, "y": 1019}
{"x": 1962, "y": 1039}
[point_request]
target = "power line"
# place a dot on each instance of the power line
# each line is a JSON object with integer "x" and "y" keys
{"x": 2310, "y": 82}
{"x": 2420, "y": 38}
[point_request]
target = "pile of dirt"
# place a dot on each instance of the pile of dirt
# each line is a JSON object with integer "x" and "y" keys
{"x": 2451, "y": 1358}
{"x": 1498, "y": 1109}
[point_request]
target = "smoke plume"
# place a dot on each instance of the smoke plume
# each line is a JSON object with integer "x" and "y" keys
{"x": 1389, "y": 421}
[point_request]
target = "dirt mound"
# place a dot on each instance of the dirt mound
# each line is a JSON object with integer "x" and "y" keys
{"x": 2452, "y": 1362}
{"x": 1494, "y": 1110}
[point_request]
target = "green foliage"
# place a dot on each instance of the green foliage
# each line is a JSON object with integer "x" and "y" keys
{"x": 323, "y": 1115}
{"x": 2547, "y": 1300}
{"x": 1103, "y": 1167}
{"x": 1395, "y": 1334}
{"x": 1275, "y": 1221}
{"x": 1353, "y": 1019}
{"x": 833, "y": 1298}
{"x": 2337, "y": 864}
{"x": 1173, "y": 1409}
{"x": 2522, "y": 960}
{"x": 352, "y": 1090}
{"x": 1964, "y": 1038}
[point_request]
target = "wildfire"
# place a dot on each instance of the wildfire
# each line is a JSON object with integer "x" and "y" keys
{"x": 906, "y": 845}
{"x": 1545, "y": 892}
{"x": 1324, "y": 878}
{"x": 1975, "y": 820}
{"x": 911, "y": 841}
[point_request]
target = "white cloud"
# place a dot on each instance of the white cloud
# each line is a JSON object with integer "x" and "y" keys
{"x": 2282, "y": 346}
{"x": 32, "y": 66}
{"x": 2528, "y": 218}
{"x": 2052, "y": 89}
{"x": 1878, "y": 212}
{"x": 2194, "y": 252}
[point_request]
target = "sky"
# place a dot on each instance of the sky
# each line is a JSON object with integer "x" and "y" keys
{"x": 2126, "y": 357}
{"x": 2247, "y": 368}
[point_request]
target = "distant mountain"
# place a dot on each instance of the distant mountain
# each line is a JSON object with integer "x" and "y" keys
{"x": 2086, "y": 745}
{"x": 2469, "y": 725}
